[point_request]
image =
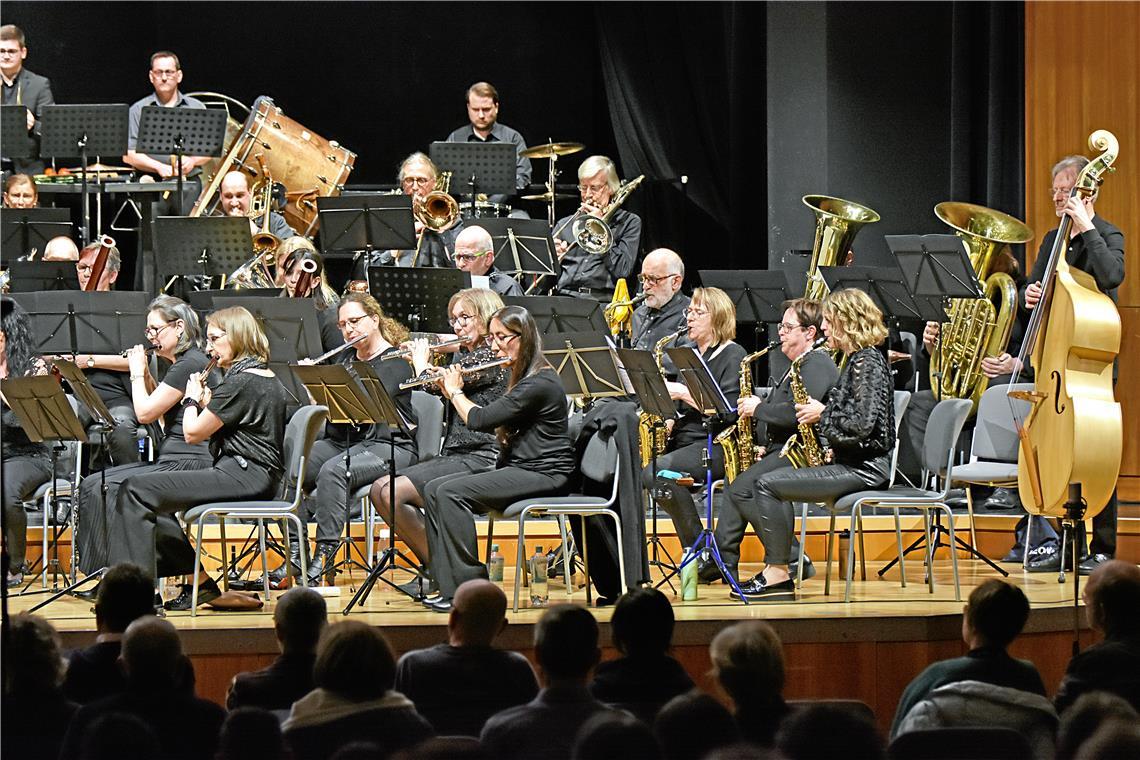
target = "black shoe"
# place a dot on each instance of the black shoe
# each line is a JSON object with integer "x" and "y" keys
{"x": 708, "y": 572}
{"x": 1050, "y": 562}
{"x": 605, "y": 601}
{"x": 420, "y": 588}
{"x": 1092, "y": 562}
{"x": 88, "y": 594}
{"x": 439, "y": 605}
{"x": 758, "y": 588}
{"x": 809, "y": 567}
{"x": 290, "y": 569}
{"x": 15, "y": 580}
{"x": 208, "y": 591}
{"x": 323, "y": 560}
{"x": 957, "y": 498}
{"x": 1001, "y": 499}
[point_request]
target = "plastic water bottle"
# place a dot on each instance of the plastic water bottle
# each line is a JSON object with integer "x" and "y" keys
{"x": 539, "y": 594}
{"x": 495, "y": 566}
{"x": 689, "y": 579}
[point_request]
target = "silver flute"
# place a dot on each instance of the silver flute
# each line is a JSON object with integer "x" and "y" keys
{"x": 423, "y": 380}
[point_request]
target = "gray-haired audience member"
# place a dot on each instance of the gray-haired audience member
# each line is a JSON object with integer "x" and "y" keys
{"x": 298, "y": 620}
{"x": 457, "y": 686}
{"x": 748, "y": 662}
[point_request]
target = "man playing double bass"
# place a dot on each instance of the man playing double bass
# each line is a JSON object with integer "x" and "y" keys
{"x": 1096, "y": 246}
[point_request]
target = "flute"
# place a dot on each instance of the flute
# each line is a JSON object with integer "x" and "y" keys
{"x": 406, "y": 353}
{"x": 338, "y": 349}
{"x": 423, "y": 380}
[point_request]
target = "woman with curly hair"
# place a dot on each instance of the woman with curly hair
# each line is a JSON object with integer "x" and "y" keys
{"x": 856, "y": 427}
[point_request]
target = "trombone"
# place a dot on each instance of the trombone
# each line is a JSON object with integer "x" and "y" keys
{"x": 437, "y": 211}
{"x": 591, "y": 232}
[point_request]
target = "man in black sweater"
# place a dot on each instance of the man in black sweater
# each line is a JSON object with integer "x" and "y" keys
{"x": 480, "y": 680}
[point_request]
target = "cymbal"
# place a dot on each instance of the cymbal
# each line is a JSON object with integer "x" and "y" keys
{"x": 545, "y": 197}
{"x": 553, "y": 149}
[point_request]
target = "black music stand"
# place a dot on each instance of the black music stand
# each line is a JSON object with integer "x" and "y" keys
{"x": 14, "y": 135}
{"x": 585, "y": 365}
{"x": 562, "y": 314}
{"x": 417, "y": 296}
{"x": 202, "y": 301}
{"x": 485, "y": 167}
{"x": 758, "y": 296}
{"x": 181, "y": 132}
{"x": 209, "y": 246}
{"x": 392, "y": 417}
{"x": 22, "y": 229}
{"x": 75, "y": 321}
{"x": 45, "y": 415}
{"x": 935, "y": 265}
{"x": 887, "y": 288}
{"x": 38, "y": 276}
{"x": 713, "y": 405}
{"x": 649, "y": 386}
{"x": 85, "y": 130}
{"x": 522, "y": 246}
{"x": 357, "y": 225}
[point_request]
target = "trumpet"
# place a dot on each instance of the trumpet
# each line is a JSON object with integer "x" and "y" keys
{"x": 428, "y": 379}
{"x": 406, "y": 353}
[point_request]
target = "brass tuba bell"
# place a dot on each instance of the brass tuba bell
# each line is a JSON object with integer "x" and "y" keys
{"x": 837, "y": 222}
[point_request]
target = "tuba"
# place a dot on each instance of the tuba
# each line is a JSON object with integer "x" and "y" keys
{"x": 837, "y": 222}
{"x": 977, "y": 327}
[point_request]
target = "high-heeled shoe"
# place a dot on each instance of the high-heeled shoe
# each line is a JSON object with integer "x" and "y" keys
{"x": 324, "y": 557}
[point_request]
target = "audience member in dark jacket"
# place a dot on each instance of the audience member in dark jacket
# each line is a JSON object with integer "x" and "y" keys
{"x": 748, "y": 662}
{"x": 458, "y": 685}
{"x": 353, "y": 699}
{"x": 159, "y": 693}
{"x": 1112, "y": 601}
{"x": 298, "y": 620}
{"x": 994, "y": 616}
{"x": 566, "y": 647}
{"x": 34, "y": 707}
{"x": 125, "y": 594}
{"x": 646, "y": 677}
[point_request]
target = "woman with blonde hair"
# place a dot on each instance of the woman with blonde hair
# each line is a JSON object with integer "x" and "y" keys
{"x": 243, "y": 419}
{"x": 855, "y": 425}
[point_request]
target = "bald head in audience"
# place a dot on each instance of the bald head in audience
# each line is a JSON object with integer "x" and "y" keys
{"x": 478, "y": 614}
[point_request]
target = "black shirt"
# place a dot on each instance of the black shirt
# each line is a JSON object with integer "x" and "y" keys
{"x": 482, "y": 388}
{"x": 778, "y": 411}
{"x": 1098, "y": 252}
{"x": 858, "y": 421}
{"x": 651, "y": 325}
{"x": 503, "y": 284}
{"x": 191, "y": 361}
{"x": 252, "y": 410}
{"x": 111, "y": 385}
{"x": 724, "y": 365}
{"x": 534, "y": 414}
{"x": 600, "y": 271}
{"x": 392, "y": 372}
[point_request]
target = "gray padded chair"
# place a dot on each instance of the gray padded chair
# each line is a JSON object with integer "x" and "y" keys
{"x": 938, "y": 449}
{"x": 300, "y": 434}
{"x": 601, "y": 463}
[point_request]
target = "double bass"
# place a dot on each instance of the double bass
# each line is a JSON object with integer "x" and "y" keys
{"x": 1072, "y": 433}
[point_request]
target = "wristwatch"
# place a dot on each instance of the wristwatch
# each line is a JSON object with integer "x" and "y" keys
{"x": 90, "y": 362}
{"x": 189, "y": 401}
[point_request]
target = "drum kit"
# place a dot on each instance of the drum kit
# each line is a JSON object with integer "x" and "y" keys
{"x": 551, "y": 150}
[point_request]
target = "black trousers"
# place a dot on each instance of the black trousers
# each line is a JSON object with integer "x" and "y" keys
{"x": 441, "y": 466}
{"x": 452, "y": 503}
{"x": 677, "y": 500}
{"x": 144, "y": 525}
{"x": 325, "y": 474}
{"x": 92, "y": 527}
{"x": 769, "y": 506}
{"x": 122, "y": 443}
{"x": 731, "y": 522}
{"x": 22, "y": 476}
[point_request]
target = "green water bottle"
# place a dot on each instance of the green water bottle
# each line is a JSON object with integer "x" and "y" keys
{"x": 689, "y": 583}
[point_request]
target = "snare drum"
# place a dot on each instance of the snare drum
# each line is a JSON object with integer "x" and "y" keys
{"x": 485, "y": 210}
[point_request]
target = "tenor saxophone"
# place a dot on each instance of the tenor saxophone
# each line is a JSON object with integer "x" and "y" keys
{"x": 802, "y": 449}
{"x": 652, "y": 436}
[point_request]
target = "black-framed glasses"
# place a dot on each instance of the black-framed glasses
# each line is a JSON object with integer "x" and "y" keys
{"x": 153, "y": 332}
{"x": 649, "y": 280}
{"x": 460, "y": 319}
{"x": 351, "y": 321}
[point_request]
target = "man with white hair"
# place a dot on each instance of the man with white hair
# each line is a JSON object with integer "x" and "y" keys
{"x": 591, "y": 275}
{"x": 475, "y": 253}
{"x": 663, "y": 310}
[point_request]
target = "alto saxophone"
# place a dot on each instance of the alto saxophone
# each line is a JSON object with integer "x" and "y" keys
{"x": 802, "y": 449}
{"x": 738, "y": 441}
{"x": 652, "y": 435}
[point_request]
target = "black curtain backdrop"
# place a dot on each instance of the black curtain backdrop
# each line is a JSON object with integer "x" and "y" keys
{"x": 897, "y": 105}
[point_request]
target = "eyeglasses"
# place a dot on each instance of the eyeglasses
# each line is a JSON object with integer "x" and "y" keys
{"x": 462, "y": 319}
{"x": 83, "y": 267}
{"x": 592, "y": 188}
{"x": 469, "y": 257}
{"x": 503, "y": 340}
{"x": 10, "y": 51}
{"x": 695, "y": 312}
{"x": 164, "y": 73}
{"x": 649, "y": 280}
{"x": 786, "y": 327}
{"x": 154, "y": 332}
{"x": 211, "y": 339}
{"x": 351, "y": 321}
{"x": 1055, "y": 191}
{"x": 417, "y": 181}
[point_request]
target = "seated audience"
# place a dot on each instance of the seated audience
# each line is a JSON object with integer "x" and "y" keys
{"x": 119, "y": 736}
{"x": 613, "y": 735}
{"x": 1115, "y": 740}
{"x": 35, "y": 707}
{"x": 1085, "y": 716}
{"x": 994, "y": 615}
{"x": 442, "y": 748}
{"x": 566, "y": 647}
{"x": 645, "y": 677}
{"x": 353, "y": 699}
{"x": 298, "y": 620}
{"x": 250, "y": 733}
{"x": 748, "y": 663}
{"x": 160, "y": 692}
{"x": 829, "y": 731}
{"x": 674, "y": 724}
{"x": 125, "y": 594}
{"x": 1112, "y": 603}
{"x": 480, "y": 679}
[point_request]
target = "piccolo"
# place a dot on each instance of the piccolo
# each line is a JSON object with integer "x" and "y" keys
{"x": 406, "y": 353}
{"x": 338, "y": 349}
{"x": 423, "y": 380}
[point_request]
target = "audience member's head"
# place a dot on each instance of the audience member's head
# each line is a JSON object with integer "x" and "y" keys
{"x": 444, "y": 748}
{"x": 1116, "y": 739}
{"x": 566, "y": 643}
{"x": 354, "y": 661}
{"x": 748, "y": 662}
{"x": 151, "y": 657}
{"x": 359, "y": 751}
{"x": 478, "y": 614}
{"x": 743, "y": 751}
{"x": 35, "y": 664}
{"x": 674, "y": 726}
{"x": 614, "y": 734}
{"x": 1112, "y": 598}
{"x": 61, "y": 248}
{"x": 828, "y": 731}
{"x": 250, "y": 733}
{"x": 125, "y": 594}
{"x": 119, "y": 736}
{"x": 995, "y": 614}
{"x": 642, "y": 623}
{"x": 300, "y": 617}
{"x": 1085, "y": 716}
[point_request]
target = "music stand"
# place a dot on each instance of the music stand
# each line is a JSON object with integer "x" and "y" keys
{"x": 75, "y": 321}
{"x": 585, "y": 365}
{"x": 14, "y": 134}
{"x": 935, "y": 265}
{"x": 27, "y": 228}
{"x": 214, "y": 245}
{"x": 202, "y": 301}
{"x": 485, "y": 167}
{"x": 361, "y": 223}
{"x": 86, "y": 130}
{"x": 417, "y": 296}
{"x": 181, "y": 132}
{"x": 758, "y": 295}
{"x": 887, "y": 288}
{"x": 36, "y": 276}
{"x": 392, "y": 417}
{"x": 651, "y": 391}
{"x": 522, "y": 246}
{"x": 712, "y": 404}
{"x": 561, "y": 314}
